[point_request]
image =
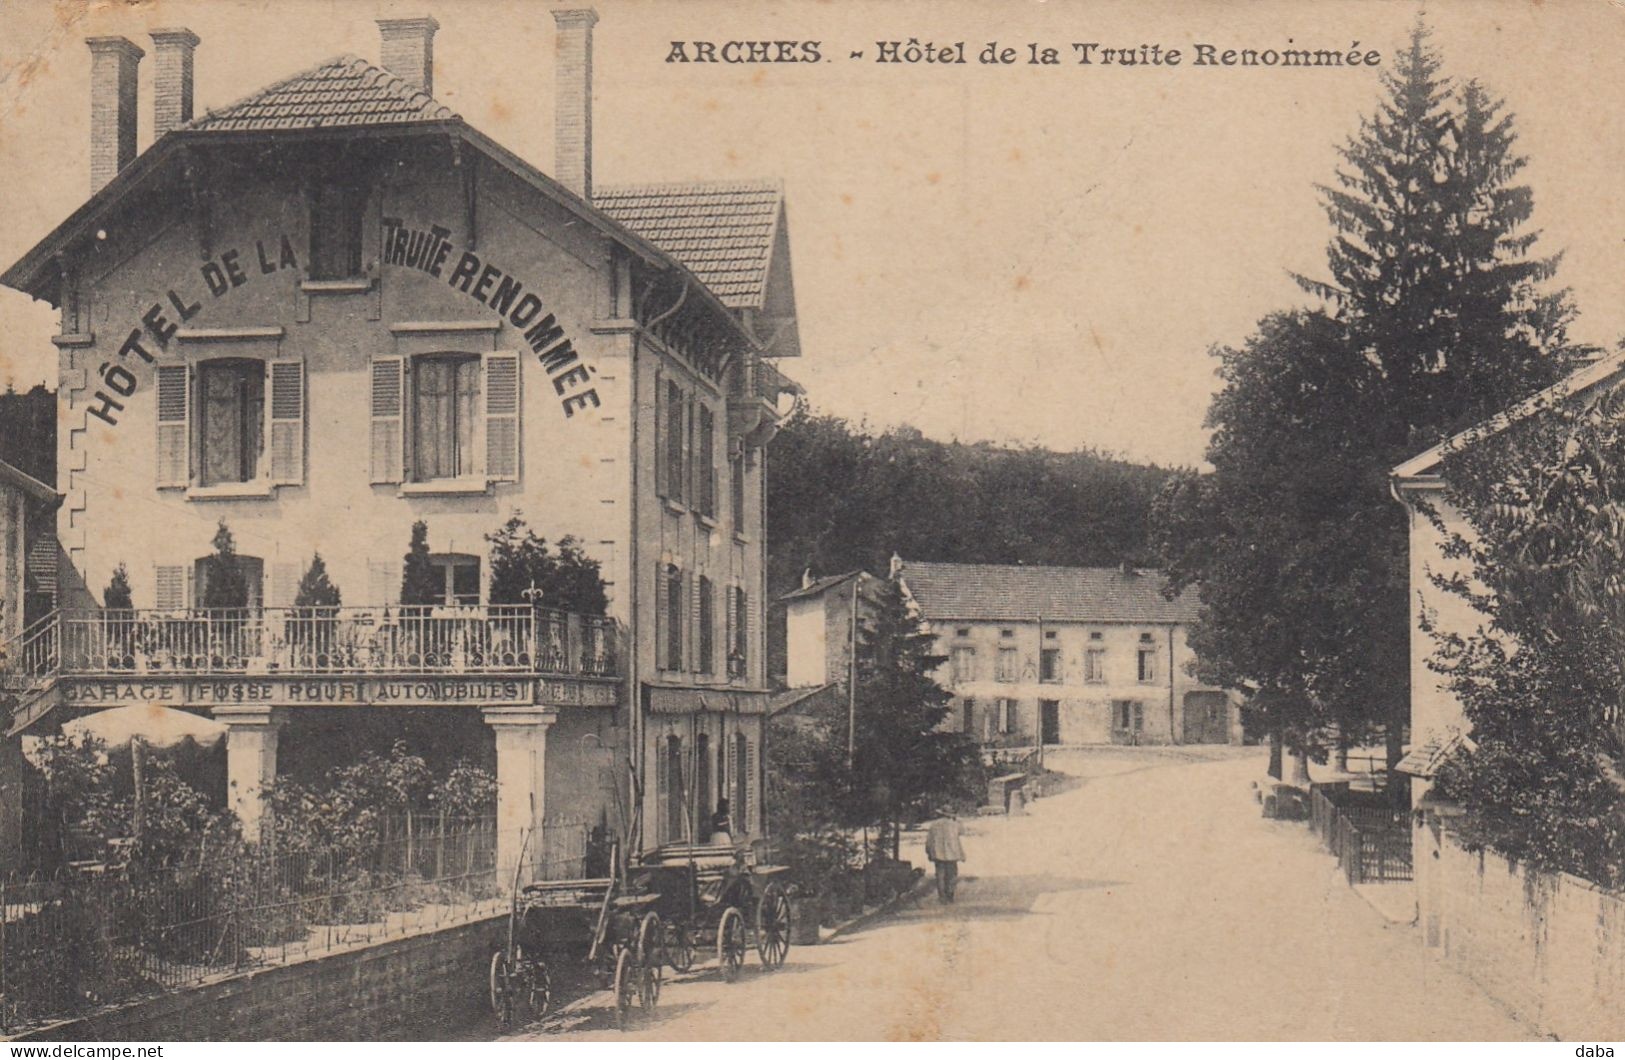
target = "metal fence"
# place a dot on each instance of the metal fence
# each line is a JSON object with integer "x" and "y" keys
{"x": 103, "y": 933}
{"x": 1372, "y": 842}
{"x": 320, "y": 640}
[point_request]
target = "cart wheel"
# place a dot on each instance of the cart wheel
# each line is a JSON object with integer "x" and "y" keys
{"x": 625, "y": 986}
{"x": 731, "y": 943}
{"x": 649, "y": 987}
{"x": 773, "y": 926}
{"x": 651, "y": 940}
{"x": 501, "y": 989}
{"x": 679, "y": 947}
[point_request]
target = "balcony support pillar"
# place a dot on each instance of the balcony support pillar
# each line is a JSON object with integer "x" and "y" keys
{"x": 521, "y": 734}
{"x": 251, "y": 742}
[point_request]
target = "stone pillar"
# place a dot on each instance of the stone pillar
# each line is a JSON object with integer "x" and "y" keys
{"x": 521, "y": 786}
{"x": 251, "y": 741}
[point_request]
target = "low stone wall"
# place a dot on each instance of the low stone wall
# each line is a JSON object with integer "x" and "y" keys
{"x": 425, "y": 986}
{"x": 1551, "y": 947}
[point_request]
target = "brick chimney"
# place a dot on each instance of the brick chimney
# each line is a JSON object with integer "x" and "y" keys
{"x": 408, "y": 50}
{"x": 172, "y": 78}
{"x": 113, "y": 63}
{"x": 572, "y": 106}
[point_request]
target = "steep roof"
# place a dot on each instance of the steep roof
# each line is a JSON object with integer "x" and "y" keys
{"x": 28, "y": 484}
{"x": 1600, "y": 372}
{"x": 821, "y": 585}
{"x": 721, "y": 232}
{"x": 342, "y": 91}
{"x": 973, "y": 592}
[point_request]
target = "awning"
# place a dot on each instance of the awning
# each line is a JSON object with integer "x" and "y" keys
{"x": 1425, "y": 759}
{"x": 703, "y": 700}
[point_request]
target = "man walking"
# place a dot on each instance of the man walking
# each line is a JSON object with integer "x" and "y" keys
{"x": 943, "y": 847}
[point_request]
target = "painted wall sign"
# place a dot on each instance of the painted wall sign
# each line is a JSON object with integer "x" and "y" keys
{"x": 220, "y": 275}
{"x": 284, "y": 691}
{"x": 429, "y": 251}
{"x": 555, "y": 692}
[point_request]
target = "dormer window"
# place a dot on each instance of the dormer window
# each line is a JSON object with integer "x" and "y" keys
{"x": 336, "y": 213}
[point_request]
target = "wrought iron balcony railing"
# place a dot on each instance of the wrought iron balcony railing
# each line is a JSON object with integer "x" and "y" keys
{"x": 496, "y": 639}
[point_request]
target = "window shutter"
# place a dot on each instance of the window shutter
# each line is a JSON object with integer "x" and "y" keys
{"x": 691, "y": 638}
{"x": 174, "y": 426}
{"x": 284, "y": 584}
{"x": 285, "y": 380}
{"x": 730, "y": 638}
{"x": 662, "y": 606}
{"x": 383, "y": 581}
{"x": 662, "y": 489}
{"x": 689, "y": 493}
{"x": 502, "y": 417}
{"x": 746, "y": 631}
{"x": 170, "y": 587}
{"x": 388, "y": 421}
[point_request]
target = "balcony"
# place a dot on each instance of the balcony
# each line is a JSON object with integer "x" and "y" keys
{"x": 755, "y": 411}
{"x": 514, "y": 640}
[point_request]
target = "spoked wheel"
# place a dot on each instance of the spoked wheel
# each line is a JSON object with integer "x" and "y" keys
{"x": 679, "y": 947}
{"x": 625, "y": 986}
{"x": 773, "y": 926}
{"x": 651, "y": 955}
{"x": 502, "y": 989}
{"x": 731, "y": 943}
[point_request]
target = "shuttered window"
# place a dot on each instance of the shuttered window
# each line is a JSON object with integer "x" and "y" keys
{"x": 753, "y": 799}
{"x": 174, "y": 425}
{"x": 730, "y": 615}
{"x": 287, "y": 421}
{"x": 674, "y": 441}
{"x": 445, "y": 414}
{"x": 705, "y": 498}
{"x": 740, "y": 808}
{"x": 284, "y": 584}
{"x": 672, "y": 614}
{"x": 383, "y": 581}
{"x": 502, "y": 417}
{"x": 742, "y": 631}
{"x": 707, "y": 619}
{"x": 387, "y": 419}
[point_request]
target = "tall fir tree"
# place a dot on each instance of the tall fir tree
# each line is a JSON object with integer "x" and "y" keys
{"x": 1436, "y": 317}
{"x": 316, "y": 589}
{"x": 224, "y": 583}
{"x": 421, "y": 584}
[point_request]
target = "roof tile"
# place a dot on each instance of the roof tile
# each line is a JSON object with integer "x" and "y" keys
{"x": 993, "y": 593}
{"x": 721, "y": 232}
{"x": 341, "y": 91}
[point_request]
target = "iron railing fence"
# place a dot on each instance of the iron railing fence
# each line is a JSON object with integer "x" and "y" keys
{"x": 314, "y": 641}
{"x": 1372, "y": 843}
{"x": 106, "y": 933}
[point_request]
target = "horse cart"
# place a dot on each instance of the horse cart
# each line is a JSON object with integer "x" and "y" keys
{"x": 594, "y": 923}
{"x": 712, "y": 897}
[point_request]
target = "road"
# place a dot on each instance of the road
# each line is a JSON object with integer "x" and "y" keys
{"x": 1149, "y": 903}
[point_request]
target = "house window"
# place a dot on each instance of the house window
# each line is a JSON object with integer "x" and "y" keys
{"x": 1096, "y": 635}
{"x": 964, "y": 664}
{"x": 705, "y": 464}
{"x": 335, "y": 231}
{"x": 250, "y": 567}
{"x": 1128, "y": 715}
{"x": 1148, "y": 665}
{"x": 1049, "y": 664}
{"x": 740, "y": 648}
{"x": 458, "y": 577}
{"x": 707, "y": 630}
{"x": 1007, "y": 633}
{"x": 1007, "y": 667}
{"x": 671, "y": 611}
{"x": 968, "y": 716}
{"x": 674, "y": 441}
{"x": 1049, "y": 634}
{"x": 674, "y": 821}
{"x": 962, "y": 631}
{"x": 1008, "y": 719}
{"x": 702, "y": 787}
{"x": 231, "y": 420}
{"x": 739, "y": 809}
{"x": 1094, "y": 666}
{"x": 445, "y": 408}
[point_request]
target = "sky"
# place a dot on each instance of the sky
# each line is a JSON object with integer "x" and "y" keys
{"x": 1015, "y": 253}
